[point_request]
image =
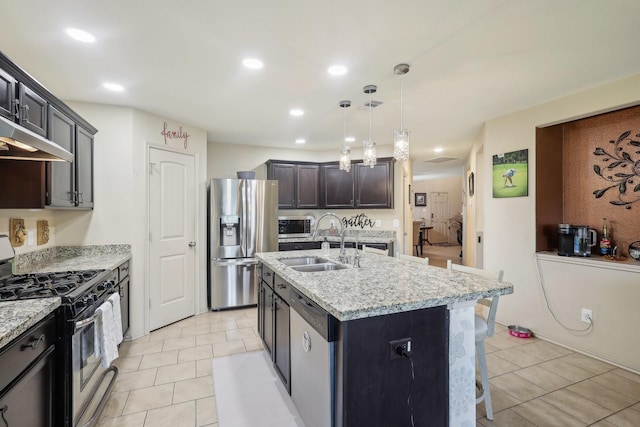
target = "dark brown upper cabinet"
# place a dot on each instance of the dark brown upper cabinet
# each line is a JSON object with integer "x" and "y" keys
{"x": 374, "y": 185}
{"x": 33, "y": 110}
{"x": 303, "y": 185}
{"x": 297, "y": 184}
{"x": 7, "y": 97}
{"x": 36, "y": 184}
{"x": 19, "y": 103}
{"x": 70, "y": 185}
{"x": 337, "y": 187}
{"x": 61, "y": 176}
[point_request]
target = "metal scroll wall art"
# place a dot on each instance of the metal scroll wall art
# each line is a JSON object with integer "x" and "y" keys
{"x": 621, "y": 167}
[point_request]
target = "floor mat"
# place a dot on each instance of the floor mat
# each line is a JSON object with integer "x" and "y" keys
{"x": 249, "y": 393}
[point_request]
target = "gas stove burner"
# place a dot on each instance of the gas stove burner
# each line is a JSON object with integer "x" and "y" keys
{"x": 43, "y": 285}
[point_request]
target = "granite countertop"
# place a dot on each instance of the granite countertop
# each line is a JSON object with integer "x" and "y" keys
{"x": 17, "y": 317}
{"x": 383, "y": 285}
{"x": 72, "y": 258}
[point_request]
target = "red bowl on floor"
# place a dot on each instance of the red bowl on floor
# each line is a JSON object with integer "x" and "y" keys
{"x": 519, "y": 331}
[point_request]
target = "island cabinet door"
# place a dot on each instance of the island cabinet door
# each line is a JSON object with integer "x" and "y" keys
{"x": 282, "y": 359}
{"x": 372, "y": 382}
{"x": 267, "y": 338}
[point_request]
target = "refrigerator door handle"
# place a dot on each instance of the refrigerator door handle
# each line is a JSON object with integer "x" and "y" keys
{"x": 225, "y": 262}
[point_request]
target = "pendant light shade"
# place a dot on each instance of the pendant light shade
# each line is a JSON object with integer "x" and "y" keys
{"x": 401, "y": 136}
{"x": 369, "y": 146}
{"x": 345, "y": 151}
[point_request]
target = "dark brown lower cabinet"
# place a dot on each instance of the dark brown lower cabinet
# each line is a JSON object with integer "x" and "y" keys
{"x": 27, "y": 380}
{"x": 282, "y": 358}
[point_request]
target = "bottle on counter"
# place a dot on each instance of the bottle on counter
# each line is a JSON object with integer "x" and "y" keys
{"x": 605, "y": 243}
{"x": 325, "y": 246}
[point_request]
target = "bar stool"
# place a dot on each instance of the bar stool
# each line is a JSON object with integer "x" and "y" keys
{"x": 484, "y": 327}
{"x": 418, "y": 246}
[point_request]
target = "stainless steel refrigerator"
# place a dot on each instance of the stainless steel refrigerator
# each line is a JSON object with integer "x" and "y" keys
{"x": 243, "y": 220}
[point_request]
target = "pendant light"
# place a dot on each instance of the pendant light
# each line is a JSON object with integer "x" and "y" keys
{"x": 345, "y": 151}
{"x": 401, "y": 136}
{"x": 369, "y": 145}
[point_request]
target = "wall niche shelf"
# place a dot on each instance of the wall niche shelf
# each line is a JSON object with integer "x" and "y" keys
{"x": 566, "y": 180}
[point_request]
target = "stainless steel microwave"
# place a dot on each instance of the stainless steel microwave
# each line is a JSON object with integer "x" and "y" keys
{"x": 295, "y": 226}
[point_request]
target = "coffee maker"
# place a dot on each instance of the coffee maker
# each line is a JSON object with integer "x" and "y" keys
{"x": 576, "y": 240}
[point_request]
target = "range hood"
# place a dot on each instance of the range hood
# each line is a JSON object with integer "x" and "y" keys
{"x": 18, "y": 143}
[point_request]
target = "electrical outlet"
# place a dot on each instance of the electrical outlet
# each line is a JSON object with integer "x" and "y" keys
{"x": 586, "y": 315}
{"x": 396, "y": 346}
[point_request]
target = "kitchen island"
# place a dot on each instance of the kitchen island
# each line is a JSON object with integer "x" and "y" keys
{"x": 384, "y": 300}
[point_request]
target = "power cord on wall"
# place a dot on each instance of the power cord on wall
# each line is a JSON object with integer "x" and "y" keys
{"x": 546, "y": 300}
{"x": 406, "y": 352}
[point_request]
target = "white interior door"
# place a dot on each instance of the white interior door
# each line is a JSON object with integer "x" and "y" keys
{"x": 172, "y": 223}
{"x": 439, "y": 218}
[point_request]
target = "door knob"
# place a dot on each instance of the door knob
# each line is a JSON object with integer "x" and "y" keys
{"x": 192, "y": 244}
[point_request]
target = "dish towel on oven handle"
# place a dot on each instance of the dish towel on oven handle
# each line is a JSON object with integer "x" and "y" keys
{"x": 108, "y": 327}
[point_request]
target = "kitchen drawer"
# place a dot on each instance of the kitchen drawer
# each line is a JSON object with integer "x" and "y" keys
{"x": 267, "y": 275}
{"x": 123, "y": 271}
{"x": 18, "y": 355}
{"x": 299, "y": 246}
{"x": 281, "y": 287}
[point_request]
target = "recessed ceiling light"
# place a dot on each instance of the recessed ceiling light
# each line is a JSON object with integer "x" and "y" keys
{"x": 296, "y": 112}
{"x": 337, "y": 70}
{"x": 438, "y": 149}
{"x": 113, "y": 86}
{"x": 300, "y": 141}
{"x": 253, "y": 63}
{"x": 350, "y": 139}
{"x": 80, "y": 35}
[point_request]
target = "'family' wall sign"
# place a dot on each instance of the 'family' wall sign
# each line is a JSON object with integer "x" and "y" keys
{"x": 175, "y": 134}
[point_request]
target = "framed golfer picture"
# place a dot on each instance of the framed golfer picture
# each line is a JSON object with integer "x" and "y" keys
{"x": 511, "y": 174}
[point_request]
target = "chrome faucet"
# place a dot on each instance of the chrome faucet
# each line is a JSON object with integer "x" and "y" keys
{"x": 342, "y": 257}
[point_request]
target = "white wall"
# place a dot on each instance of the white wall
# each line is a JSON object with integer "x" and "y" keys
{"x": 509, "y": 232}
{"x": 120, "y": 185}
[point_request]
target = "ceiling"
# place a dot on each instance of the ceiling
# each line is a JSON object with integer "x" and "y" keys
{"x": 471, "y": 61}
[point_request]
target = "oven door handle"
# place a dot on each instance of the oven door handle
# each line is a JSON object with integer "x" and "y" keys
{"x": 85, "y": 322}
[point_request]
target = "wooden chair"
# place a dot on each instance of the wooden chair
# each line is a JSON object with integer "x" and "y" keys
{"x": 484, "y": 327}
{"x": 415, "y": 259}
{"x": 366, "y": 248}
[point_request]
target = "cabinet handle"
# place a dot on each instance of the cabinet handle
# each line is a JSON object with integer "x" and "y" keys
{"x": 2, "y": 411}
{"x": 25, "y": 110}
{"x": 33, "y": 344}
{"x": 281, "y": 286}
{"x": 16, "y": 108}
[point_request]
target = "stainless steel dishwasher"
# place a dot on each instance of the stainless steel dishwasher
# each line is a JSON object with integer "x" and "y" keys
{"x": 313, "y": 334}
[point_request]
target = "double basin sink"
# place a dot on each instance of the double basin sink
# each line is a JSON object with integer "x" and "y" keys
{"x": 310, "y": 264}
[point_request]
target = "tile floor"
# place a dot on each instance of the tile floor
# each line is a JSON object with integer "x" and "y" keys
{"x": 165, "y": 379}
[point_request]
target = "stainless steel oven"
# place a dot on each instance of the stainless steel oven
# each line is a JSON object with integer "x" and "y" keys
{"x": 295, "y": 226}
{"x": 90, "y": 381}
{"x": 83, "y": 385}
